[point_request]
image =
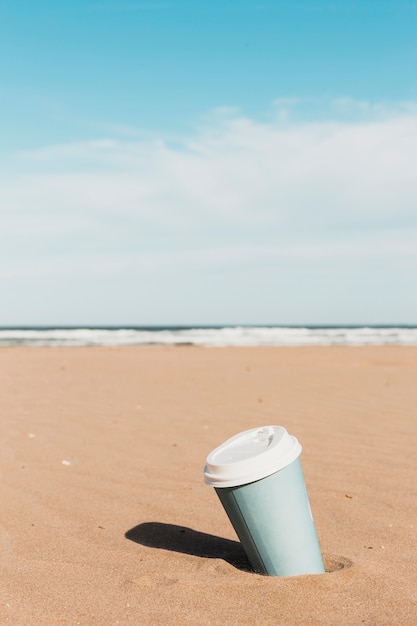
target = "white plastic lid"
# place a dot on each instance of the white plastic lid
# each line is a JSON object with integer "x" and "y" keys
{"x": 251, "y": 455}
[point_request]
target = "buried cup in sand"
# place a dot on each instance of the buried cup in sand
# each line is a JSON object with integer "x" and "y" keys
{"x": 257, "y": 476}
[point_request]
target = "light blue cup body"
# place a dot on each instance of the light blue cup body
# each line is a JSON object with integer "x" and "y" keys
{"x": 272, "y": 519}
{"x": 272, "y": 515}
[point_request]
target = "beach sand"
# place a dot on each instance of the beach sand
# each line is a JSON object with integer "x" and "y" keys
{"x": 105, "y": 518}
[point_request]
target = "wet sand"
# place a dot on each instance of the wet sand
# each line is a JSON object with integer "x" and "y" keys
{"x": 106, "y": 518}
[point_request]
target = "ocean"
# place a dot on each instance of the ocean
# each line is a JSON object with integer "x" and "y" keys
{"x": 209, "y": 335}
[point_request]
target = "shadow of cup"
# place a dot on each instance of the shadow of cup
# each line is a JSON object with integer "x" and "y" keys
{"x": 189, "y": 541}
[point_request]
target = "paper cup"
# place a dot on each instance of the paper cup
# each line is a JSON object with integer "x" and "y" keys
{"x": 258, "y": 479}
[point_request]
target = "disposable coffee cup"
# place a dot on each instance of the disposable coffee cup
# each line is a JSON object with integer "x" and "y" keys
{"x": 258, "y": 478}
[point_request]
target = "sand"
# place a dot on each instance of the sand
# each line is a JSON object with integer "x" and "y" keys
{"x": 105, "y": 518}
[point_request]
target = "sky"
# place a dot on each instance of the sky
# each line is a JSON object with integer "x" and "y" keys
{"x": 210, "y": 162}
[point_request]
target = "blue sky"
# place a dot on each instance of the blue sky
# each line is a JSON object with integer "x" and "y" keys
{"x": 208, "y": 162}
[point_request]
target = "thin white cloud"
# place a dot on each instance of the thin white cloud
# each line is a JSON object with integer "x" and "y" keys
{"x": 262, "y": 191}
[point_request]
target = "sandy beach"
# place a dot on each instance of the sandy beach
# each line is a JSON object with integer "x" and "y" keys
{"x": 106, "y": 518}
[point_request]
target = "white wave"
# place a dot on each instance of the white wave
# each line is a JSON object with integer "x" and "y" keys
{"x": 226, "y": 336}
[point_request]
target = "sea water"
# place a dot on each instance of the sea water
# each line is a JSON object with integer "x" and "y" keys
{"x": 210, "y": 335}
